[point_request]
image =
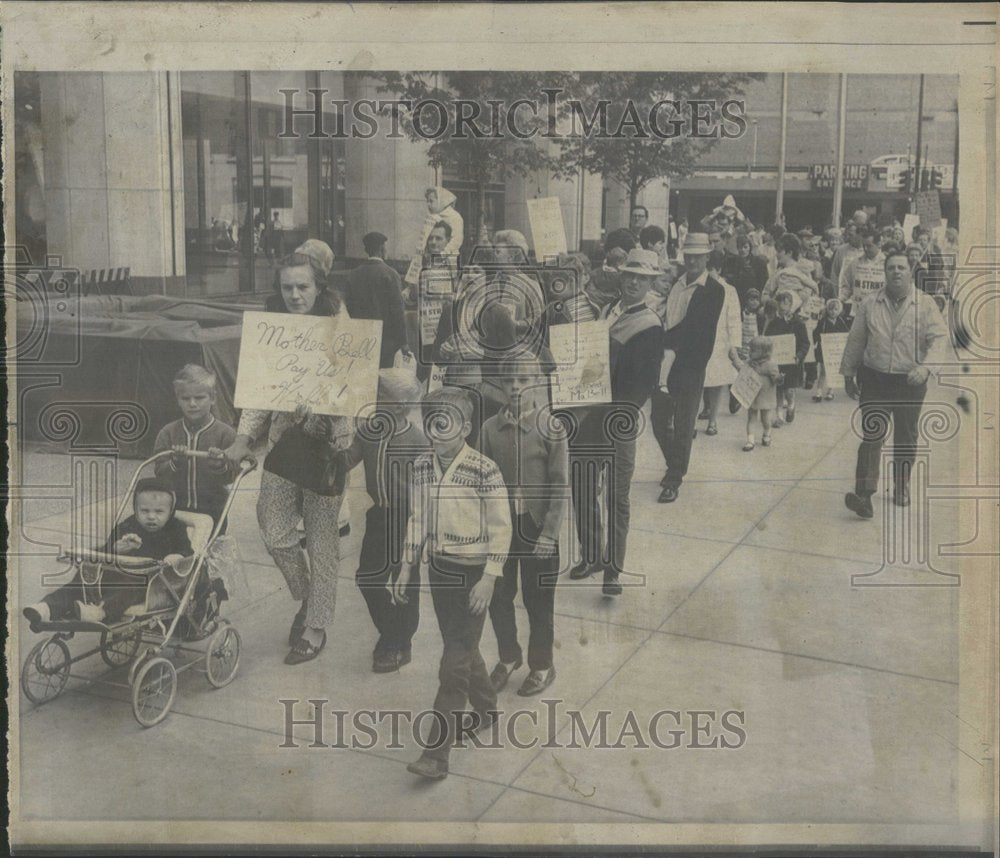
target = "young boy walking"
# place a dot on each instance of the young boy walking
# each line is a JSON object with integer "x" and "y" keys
{"x": 459, "y": 521}
{"x": 535, "y": 466}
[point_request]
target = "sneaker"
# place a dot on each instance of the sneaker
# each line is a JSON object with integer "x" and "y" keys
{"x": 860, "y": 504}
{"x": 430, "y": 768}
{"x": 536, "y": 682}
{"x": 37, "y": 614}
{"x": 828, "y": 396}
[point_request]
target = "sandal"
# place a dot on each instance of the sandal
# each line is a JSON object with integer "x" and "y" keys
{"x": 766, "y": 441}
{"x": 712, "y": 429}
{"x": 748, "y": 446}
{"x": 304, "y": 651}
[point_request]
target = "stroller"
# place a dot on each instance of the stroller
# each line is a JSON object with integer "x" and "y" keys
{"x": 185, "y": 609}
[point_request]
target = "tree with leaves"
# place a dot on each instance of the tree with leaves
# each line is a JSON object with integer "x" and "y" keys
{"x": 610, "y": 128}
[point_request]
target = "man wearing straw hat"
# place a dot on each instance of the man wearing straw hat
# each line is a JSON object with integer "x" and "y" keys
{"x": 634, "y": 354}
{"x": 692, "y": 316}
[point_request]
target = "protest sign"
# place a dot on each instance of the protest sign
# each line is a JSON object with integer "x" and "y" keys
{"x": 327, "y": 362}
{"x": 547, "y": 231}
{"x": 784, "y": 349}
{"x": 810, "y": 324}
{"x": 833, "y": 346}
{"x": 909, "y": 222}
{"x": 928, "y": 206}
{"x": 582, "y": 375}
{"x": 814, "y": 306}
{"x": 746, "y": 387}
{"x": 431, "y": 308}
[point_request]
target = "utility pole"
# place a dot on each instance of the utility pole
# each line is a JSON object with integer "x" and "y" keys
{"x": 838, "y": 181}
{"x": 781, "y": 153}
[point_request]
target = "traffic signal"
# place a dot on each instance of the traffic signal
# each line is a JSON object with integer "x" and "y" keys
{"x": 906, "y": 177}
{"x": 936, "y": 179}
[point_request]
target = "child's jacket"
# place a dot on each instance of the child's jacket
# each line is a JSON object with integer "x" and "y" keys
{"x": 461, "y": 514}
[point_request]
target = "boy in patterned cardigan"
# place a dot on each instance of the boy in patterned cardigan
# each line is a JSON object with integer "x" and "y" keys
{"x": 460, "y": 521}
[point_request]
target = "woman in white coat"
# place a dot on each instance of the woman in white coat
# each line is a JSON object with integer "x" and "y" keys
{"x": 720, "y": 373}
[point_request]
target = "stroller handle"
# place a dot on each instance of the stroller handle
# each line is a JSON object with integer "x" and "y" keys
{"x": 249, "y": 463}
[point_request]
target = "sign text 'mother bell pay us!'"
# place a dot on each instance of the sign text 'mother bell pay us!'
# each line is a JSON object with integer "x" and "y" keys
{"x": 328, "y": 363}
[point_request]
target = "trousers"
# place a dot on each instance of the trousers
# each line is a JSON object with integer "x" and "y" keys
{"x": 674, "y": 416}
{"x": 538, "y": 576}
{"x": 462, "y": 676}
{"x": 886, "y": 396}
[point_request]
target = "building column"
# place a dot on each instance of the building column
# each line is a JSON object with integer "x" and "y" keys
{"x": 114, "y": 192}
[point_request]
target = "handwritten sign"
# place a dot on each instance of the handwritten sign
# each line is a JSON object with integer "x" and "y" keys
{"x": 783, "y": 349}
{"x": 582, "y": 375}
{"x": 833, "y": 346}
{"x": 746, "y": 387}
{"x": 928, "y": 206}
{"x": 909, "y": 222}
{"x": 328, "y": 362}
{"x": 547, "y": 231}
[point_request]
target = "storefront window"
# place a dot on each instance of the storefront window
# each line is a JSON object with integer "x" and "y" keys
{"x": 250, "y": 195}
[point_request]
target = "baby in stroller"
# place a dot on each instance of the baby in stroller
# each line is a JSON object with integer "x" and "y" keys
{"x": 102, "y": 591}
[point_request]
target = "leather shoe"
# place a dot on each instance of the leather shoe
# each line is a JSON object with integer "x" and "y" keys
{"x": 583, "y": 569}
{"x": 501, "y": 673}
{"x": 668, "y": 495}
{"x": 901, "y": 497}
{"x": 612, "y": 586}
{"x": 536, "y": 682}
{"x": 304, "y": 651}
{"x": 430, "y": 768}
{"x": 860, "y": 504}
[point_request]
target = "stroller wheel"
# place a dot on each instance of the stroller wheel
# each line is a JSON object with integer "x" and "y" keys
{"x": 118, "y": 648}
{"x": 153, "y": 691}
{"x": 222, "y": 658}
{"x": 45, "y": 671}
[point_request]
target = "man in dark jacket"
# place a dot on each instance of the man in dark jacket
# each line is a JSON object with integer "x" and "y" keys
{"x": 373, "y": 292}
{"x": 634, "y": 354}
{"x": 692, "y": 316}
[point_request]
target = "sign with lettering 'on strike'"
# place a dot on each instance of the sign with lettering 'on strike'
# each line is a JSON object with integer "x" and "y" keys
{"x": 329, "y": 362}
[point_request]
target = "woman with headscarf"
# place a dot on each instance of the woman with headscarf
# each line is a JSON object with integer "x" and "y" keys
{"x": 310, "y": 573}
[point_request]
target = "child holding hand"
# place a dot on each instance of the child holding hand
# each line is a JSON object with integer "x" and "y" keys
{"x": 759, "y": 360}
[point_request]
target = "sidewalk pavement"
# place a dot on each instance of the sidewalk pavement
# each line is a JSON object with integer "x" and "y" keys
{"x": 741, "y": 599}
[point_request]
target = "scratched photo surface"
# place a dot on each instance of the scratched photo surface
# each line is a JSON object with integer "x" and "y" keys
{"x": 472, "y": 426}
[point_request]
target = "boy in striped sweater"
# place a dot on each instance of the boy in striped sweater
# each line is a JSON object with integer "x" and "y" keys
{"x": 460, "y": 522}
{"x": 199, "y": 484}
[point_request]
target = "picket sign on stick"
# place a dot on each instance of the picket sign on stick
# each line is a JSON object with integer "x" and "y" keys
{"x": 783, "y": 348}
{"x": 548, "y": 234}
{"x": 833, "y": 346}
{"x": 583, "y": 375}
{"x": 327, "y": 362}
